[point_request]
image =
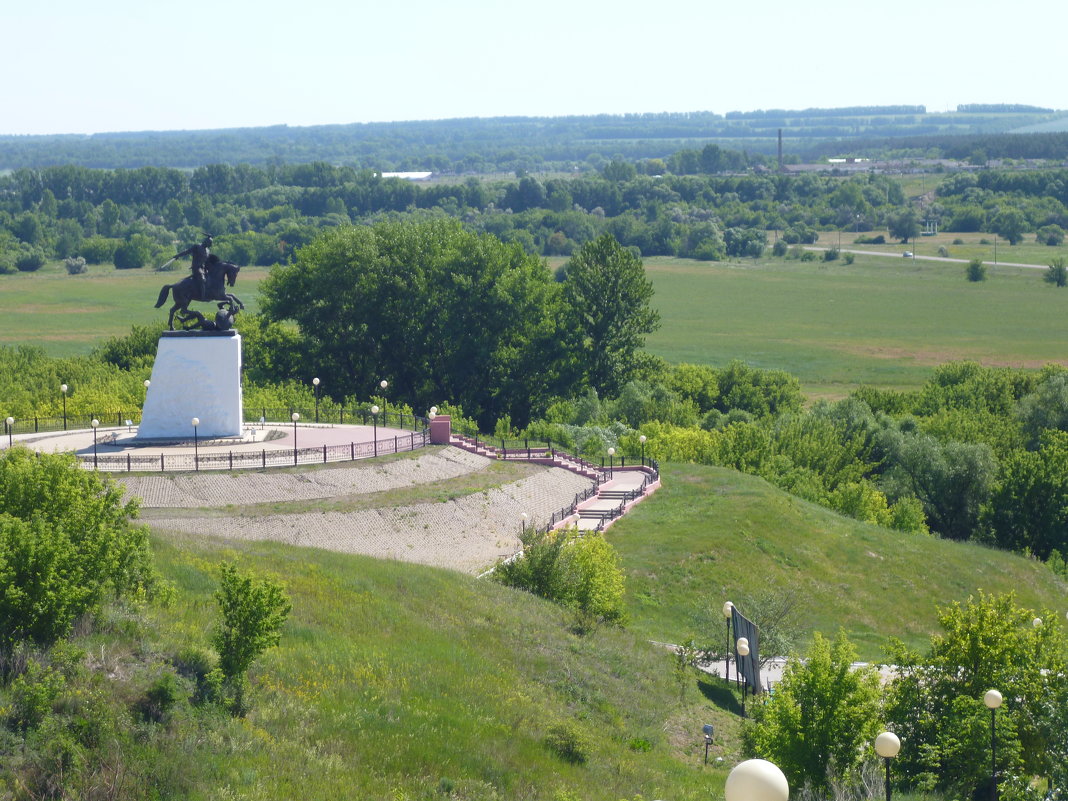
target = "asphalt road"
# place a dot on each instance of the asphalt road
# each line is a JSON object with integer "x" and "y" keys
{"x": 930, "y": 258}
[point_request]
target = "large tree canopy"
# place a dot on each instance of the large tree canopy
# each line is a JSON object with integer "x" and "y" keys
{"x": 607, "y": 296}
{"x": 442, "y": 313}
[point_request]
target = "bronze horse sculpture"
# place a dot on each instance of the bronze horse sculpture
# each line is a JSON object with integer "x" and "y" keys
{"x": 220, "y": 274}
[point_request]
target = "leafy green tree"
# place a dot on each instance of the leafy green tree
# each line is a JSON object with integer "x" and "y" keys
{"x": 134, "y": 253}
{"x": 606, "y": 297}
{"x": 253, "y": 612}
{"x": 952, "y": 479}
{"x": 1029, "y": 509}
{"x": 1046, "y": 407}
{"x": 745, "y": 242}
{"x": 975, "y": 271}
{"x": 821, "y": 716}
{"x": 936, "y": 699}
{"x": 1051, "y": 235}
{"x": 66, "y": 541}
{"x": 762, "y": 393}
{"x": 1010, "y": 223}
{"x": 445, "y": 312}
{"x": 904, "y": 225}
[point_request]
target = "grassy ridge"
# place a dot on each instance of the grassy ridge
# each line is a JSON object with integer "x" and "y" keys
{"x": 394, "y": 680}
{"x": 712, "y": 534}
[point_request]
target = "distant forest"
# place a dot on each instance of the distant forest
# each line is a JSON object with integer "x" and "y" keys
{"x": 571, "y": 144}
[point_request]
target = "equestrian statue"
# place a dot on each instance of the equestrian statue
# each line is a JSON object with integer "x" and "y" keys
{"x": 207, "y": 283}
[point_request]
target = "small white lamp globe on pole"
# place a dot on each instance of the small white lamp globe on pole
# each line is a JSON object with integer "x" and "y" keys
{"x": 993, "y": 700}
{"x": 611, "y": 462}
{"x": 1037, "y": 622}
{"x": 196, "y": 450}
{"x": 385, "y": 413}
{"x": 887, "y": 746}
{"x": 374, "y": 421}
{"x": 642, "y": 439}
{"x": 728, "y": 608}
{"x": 315, "y": 384}
{"x": 756, "y": 780}
{"x": 63, "y": 388}
{"x": 10, "y": 429}
{"x": 294, "y": 417}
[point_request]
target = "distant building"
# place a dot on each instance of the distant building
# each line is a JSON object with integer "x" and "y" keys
{"x": 409, "y": 176}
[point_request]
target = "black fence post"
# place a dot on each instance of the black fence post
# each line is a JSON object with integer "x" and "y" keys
{"x": 396, "y": 445}
{"x": 324, "y": 454}
{"x": 231, "y": 453}
{"x": 352, "y": 451}
{"x": 127, "y": 463}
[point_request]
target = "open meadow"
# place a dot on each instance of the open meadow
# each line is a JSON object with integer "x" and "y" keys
{"x": 885, "y": 321}
{"x": 68, "y": 314}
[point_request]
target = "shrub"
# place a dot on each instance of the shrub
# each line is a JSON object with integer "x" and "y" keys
{"x": 75, "y": 265}
{"x": 65, "y": 540}
{"x": 849, "y": 258}
{"x": 568, "y": 742}
{"x": 830, "y": 254}
{"x": 779, "y": 248}
{"x": 160, "y": 697}
{"x": 943, "y": 251}
{"x": 958, "y": 241}
{"x": 976, "y": 270}
{"x": 1052, "y": 235}
{"x": 808, "y": 255}
{"x": 98, "y": 249}
{"x": 1057, "y": 274}
{"x": 879, "y": 239}
{"x": 29, "y": 260}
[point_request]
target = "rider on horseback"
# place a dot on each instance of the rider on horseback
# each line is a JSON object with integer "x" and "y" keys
{"x": 200, "y": 254}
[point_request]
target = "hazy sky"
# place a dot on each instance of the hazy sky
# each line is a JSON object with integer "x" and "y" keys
{"x": 118, "y": 65}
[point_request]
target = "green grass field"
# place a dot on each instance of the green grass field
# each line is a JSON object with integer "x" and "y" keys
{"x": 712, "y": 535}
{"x": 68, "y": 314}
{"x": 882, "y": 320}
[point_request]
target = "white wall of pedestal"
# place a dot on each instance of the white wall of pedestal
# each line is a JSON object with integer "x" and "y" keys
{"x": 194, "y": 376}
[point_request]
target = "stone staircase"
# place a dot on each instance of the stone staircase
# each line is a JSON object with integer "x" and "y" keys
{"x": 614, "y": 490}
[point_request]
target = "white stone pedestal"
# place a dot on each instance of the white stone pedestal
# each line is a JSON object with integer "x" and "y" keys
{"x": 196, "y": 374}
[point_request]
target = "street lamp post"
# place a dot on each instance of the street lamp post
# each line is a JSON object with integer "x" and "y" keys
{"x": 94, "y": 424}
{"x": 374, "y": 422}
{"x": 63, "y": 389}
{"x": 196, "y": 444}
{"x": 728, "y": 608}
{"x": 10, "y": 429}
{"x": 742, "y": 647}
{"x": 887, "y": 746}
{"x": 315, "y": 383}
{"x": 385, "y": 406}
{"x": 993, "y": 699}
{"x": 641, "y": 439}
{"x": 294, "y": 417}
{"x": 611, "y": 463}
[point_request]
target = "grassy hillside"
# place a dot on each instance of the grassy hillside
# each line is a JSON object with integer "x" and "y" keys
{"x": 711, "y": 535}
{"x": 397, "y": 681}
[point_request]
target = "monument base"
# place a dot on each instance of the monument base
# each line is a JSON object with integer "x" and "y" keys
{"x": 196, "y": 374}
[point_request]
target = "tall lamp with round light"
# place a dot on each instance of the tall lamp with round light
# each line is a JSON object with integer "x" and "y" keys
{"x": 993, "y": 700}
{"x": 315, "y": 384}
{"x": 641, "y": 439}
{"x": 611, "y": 463}
{"x": 10, "y": 429}
{"x": 196, "y": 444}
{"x": 887, "y": 746}
{"x": 383, "y": 384}
{"x": 742, "y": 649}
{"x": 728, "y": 608}
{"x": 94, "y": 423}
{"x": 756, "y": 780}
{"x": 294, "y": 417}
{"x": 374, "y": 421}
{"x": 63, "y": 388}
